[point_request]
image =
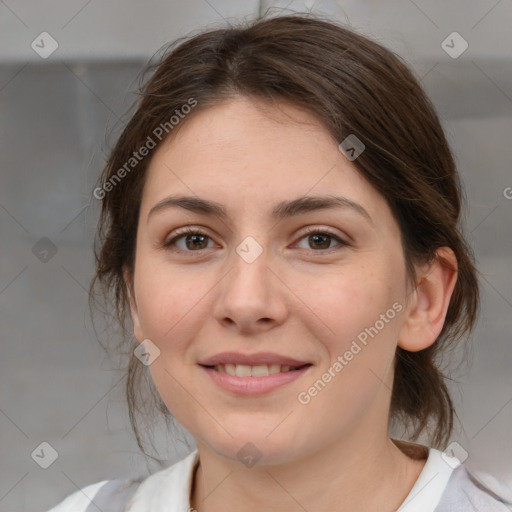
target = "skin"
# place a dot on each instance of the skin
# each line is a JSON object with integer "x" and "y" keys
{"x": 302, "y": 297}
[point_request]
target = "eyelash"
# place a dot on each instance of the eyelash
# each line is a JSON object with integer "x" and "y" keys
{"x": 310, "y": 231}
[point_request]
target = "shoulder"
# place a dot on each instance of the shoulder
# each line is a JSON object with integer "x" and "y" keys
{"x": 168, "y": 487}
{"x": 470, "y": 489}
{"x": 107, "y": 496}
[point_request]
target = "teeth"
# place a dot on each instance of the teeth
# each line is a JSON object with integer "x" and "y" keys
{"x": 230, "y": 368}
{"x": 242, "y": 370}
{"x": 261, "y": 370}
{"x": 274, "y": 368}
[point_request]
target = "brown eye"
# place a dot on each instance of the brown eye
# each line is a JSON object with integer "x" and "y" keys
{"x": 194, "y": 241}
{"x": 190, "y": 240}
{"x": 320, "y": 240}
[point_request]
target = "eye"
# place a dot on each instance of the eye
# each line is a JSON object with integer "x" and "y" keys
{"x": 194, "y": 240}
{"x": 322, "y": 238}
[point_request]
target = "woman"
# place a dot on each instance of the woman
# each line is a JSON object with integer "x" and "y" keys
{"x": 280, "y": 219}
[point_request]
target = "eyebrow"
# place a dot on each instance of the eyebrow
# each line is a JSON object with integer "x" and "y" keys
{"x": 281, "y": 211}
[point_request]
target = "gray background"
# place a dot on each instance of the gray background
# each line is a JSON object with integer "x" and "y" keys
{"x": 58, "y": 385}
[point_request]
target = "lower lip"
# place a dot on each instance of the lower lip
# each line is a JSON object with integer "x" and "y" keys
{"x": 254, "y": 385}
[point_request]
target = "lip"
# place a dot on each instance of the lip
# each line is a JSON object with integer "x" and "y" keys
{"x": 251, "y": 359}
{"x": 252, "y": 386}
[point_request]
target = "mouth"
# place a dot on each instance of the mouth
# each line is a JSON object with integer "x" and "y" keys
{"x": 252, "y": 375}
{"x": 260, "y": 370}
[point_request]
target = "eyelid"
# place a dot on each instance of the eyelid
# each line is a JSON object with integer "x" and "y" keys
{"x": 319, "y": 229}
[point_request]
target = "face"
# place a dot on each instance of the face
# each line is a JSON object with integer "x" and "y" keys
{"x": 319, "y": 311}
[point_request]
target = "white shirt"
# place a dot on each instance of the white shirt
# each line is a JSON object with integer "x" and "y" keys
{"x": 168, "y": 490}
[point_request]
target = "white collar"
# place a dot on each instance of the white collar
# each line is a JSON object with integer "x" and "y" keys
{"x": 428, "y": 489}
{"x": 169, "y": 490}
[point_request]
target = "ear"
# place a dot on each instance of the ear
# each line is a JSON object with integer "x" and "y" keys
{"x": 137, "y": 329}
{"x": 428, "y": 304}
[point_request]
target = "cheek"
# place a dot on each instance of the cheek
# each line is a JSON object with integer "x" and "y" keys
{"x": 166, "y": 300}
{"x": 169, "y": 305}
{"x": 362, "y": 322}
{"x": 346, "y": 303}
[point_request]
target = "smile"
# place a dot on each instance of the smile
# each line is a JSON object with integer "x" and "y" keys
{"x": 244, "y": 380}
{"x": 261, "y": 370}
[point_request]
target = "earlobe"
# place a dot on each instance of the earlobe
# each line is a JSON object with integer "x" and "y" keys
{"x": 429, "y": 303}
{"x": 134, "y": 313}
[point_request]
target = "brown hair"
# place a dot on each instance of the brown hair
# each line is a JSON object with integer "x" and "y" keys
{"x": 353, "y": 86}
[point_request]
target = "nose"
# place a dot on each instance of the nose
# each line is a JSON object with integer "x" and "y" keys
{"x": 250, "y": 298}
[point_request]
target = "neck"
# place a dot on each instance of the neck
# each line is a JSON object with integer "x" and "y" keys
{"x": 338, "y": 477}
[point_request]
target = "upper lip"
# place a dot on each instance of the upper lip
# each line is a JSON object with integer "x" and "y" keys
{"x": 251, "y": 359}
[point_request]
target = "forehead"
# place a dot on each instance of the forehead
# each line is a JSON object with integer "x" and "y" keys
{"x": 253, "y": 153}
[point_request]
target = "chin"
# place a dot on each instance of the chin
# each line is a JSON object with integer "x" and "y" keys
{"x": 264, "y": 445}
